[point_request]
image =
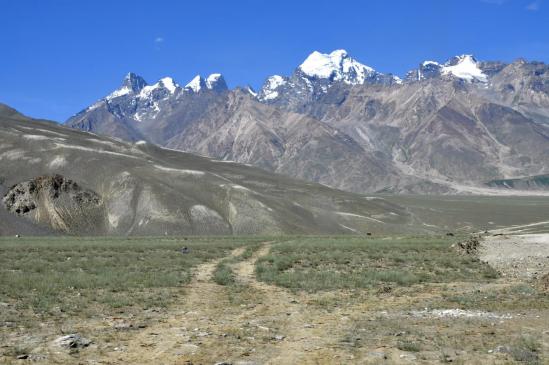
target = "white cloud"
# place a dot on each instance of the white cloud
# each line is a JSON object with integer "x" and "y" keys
{"x": 159, "y": 40}
{"x": 534, "y": 6}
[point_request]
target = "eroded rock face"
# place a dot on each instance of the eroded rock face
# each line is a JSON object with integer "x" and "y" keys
{"x": 56, "y": 201}
{"x": 22, "y": 198}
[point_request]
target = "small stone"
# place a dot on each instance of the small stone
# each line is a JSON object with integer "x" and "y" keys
{"x": 409, "y": 357}
{"x": 22, "y": 357}
{"x": 378, "y": 354}
{"x": 279, "y": 337}
{"x": 72, "y": 341}
{"x": 502, "y": 349}
{"x": 188, "y": 348}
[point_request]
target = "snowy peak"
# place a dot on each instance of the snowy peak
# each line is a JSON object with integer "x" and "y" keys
{"x": 456, "y": 60}
{"x": 133, "y": 82}
{"x": 337, "y": 65}
{"x": 214, "y": 82}
{"x": 269, "y": 91}
{"x": 426, "y": 70}
{"x": 317, "y": 74}
{"x": 168, "y": 83}
{"x": 164, "y": 86}
{"x": 322, "y": 65}
{"x": 196, "y": 84}
{"x": 135, "y": 85}
{"x": 464, "y": 67}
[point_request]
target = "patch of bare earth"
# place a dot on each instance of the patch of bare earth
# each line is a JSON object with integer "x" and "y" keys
{"x": 523, "y": 256}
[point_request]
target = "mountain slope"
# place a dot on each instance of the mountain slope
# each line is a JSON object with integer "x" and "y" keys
{"x": 59, "y": 178}
{"x": 441, "y": 130}
{"x": 241, "y": 129}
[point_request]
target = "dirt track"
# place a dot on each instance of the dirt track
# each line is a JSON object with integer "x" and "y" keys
{"x": 270, "y": 328}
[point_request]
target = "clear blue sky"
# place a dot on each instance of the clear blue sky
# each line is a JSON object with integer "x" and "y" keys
{"x": 57, "y": 57}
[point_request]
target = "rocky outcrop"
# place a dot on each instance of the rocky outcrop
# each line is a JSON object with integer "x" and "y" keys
{"x": 57, "y": 202}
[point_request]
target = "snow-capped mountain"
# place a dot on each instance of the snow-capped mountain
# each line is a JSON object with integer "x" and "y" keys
{"x": 136, "y": 99}
{"x": 336, "y": 66}
{"x": 196, "y": 84}
{"x": 446, "y": 127}
{"x": 464, "y": 67}
{"x": 317, "y": 74}
{"x": 213, "y": 82}
{"x": 136, "y": 106}
{"x": 135, "y": 85}
{"x": 269, "y": 90}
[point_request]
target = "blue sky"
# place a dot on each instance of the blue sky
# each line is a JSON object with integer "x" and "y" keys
{"x": 57, "y": 57}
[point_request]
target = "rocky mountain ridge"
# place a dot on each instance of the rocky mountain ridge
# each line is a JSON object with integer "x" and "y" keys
{"x": 445, "y": 128}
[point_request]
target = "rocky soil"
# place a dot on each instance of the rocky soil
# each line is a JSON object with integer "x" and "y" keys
{"x": 523, "y": 256}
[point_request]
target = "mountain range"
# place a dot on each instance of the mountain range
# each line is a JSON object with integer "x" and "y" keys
{"x": 452, "y": 127}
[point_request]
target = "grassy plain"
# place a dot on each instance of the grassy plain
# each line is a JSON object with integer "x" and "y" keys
{"x": 324, "y": 263}
{"x": 59, "y": 277}
{"x": 262, "y": 300}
